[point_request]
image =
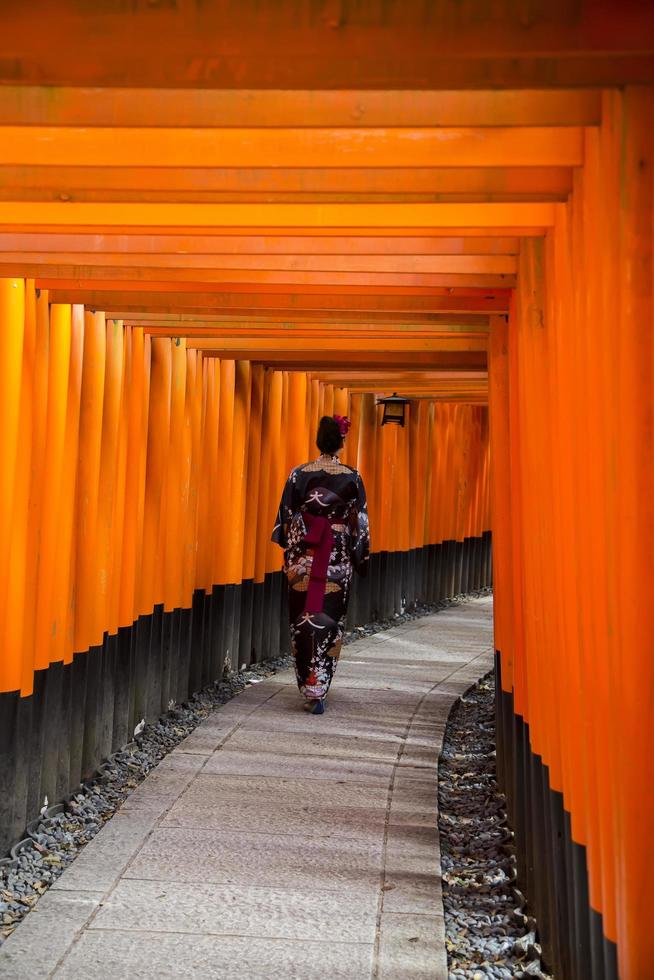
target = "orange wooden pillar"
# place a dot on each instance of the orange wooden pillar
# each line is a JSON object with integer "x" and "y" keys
{"x": 501, "y": 496}
{"x": 64, "y": 593}
{"x": 633, "y": 477}
{"x": 137, "y": 373}
{"x": 17, "y": 312}
{"x": 225, "y": 442}
{"x": 58, "y": 383}
{"x": 37, "y": 416}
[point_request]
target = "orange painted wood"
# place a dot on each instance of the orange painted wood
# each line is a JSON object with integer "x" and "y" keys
{"x": 43, "y": 106}
{"x": 389, "y": 218}
{"x": 158, "y": 435}
{"x": 498, "y": 370}
{"x": 277, "y": 459}
{"x": 225, "y": 466}
{"x": 247, "y": 289}
{"x": 232, "y": 302}
{"x": 109, "y": 469}
{"x": 83, "y": 265}
{"x": 15, "y": 604}
{"x": 523, "y": 146}
{"x": 175, "y": 486}
{"x": 53, "y": 469}
{"x": 194, "y": 185}
{"x": 265, "y": 246}
{"x": 310, "y": 323}
{"x": 208, "y": 476}
{"x": 450, "y": 361}
{"x": 137, "y": 362}
{"x": 389, "y": 233}
{"x": 235, "y": 530}
{"x": 65, "y": 276}
{"x": 255, "y": 500}
{"x": 12, "y": 327}
{"x": 467, "y": 341}
{"x": 88, "y": 477}
{"x": 36, "y": 414}
{"x": 277, "y": 46}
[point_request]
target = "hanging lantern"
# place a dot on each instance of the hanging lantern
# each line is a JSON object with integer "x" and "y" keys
{"x": 394, "y": 407}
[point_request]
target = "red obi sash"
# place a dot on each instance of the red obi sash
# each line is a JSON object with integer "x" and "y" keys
{"x": 320, "y": 537}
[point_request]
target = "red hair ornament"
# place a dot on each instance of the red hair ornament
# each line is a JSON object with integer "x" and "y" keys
{"x": 343, "y": 423}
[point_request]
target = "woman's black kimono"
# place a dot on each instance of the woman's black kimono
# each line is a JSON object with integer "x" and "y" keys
{"x": 322, "y": 525}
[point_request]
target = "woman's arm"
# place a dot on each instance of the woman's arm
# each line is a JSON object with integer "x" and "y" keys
{"x": 361, "y": 531}
{"x": 285, "y": 512}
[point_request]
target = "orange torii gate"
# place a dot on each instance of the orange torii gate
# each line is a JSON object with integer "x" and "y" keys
{"x": 215, "y": 218}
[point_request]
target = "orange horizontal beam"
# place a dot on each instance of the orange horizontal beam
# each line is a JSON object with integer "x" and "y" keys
{"x": 435, "y": 389}
{"x": 206, "y": 279}
{"x": 392, "y": 381}
{"x": 388, "y": 234}
{"x": 299, "y": 320}
{"x": 219, "y": 184}
{"x": 527, "y": 146}
{"x": 391, "y": 384}
{"x": 44, "y": 106}
{"x": 257, "y": 245}
{"x": 427, "y": 394}
{"x": 310, "y": 333}
{"x": 338, "y": 345}
{"x": 461, "y": 398}
{"x": 453, "y": 362}
{"x": 272, "y": 44}
{"x": 415, "y": 376}
{"x": 336, "y": 216}
{"x": 367, "y": 354}
{"x": 253, "y": 289}
{"x": 451, "y": 380}
{"x": 291, "y": 304}
{"x": 306, "y": 361}
{"x": 83, "y": 265}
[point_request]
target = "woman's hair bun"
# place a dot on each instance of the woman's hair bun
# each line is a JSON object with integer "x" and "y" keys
{"x": 329, "y": 439}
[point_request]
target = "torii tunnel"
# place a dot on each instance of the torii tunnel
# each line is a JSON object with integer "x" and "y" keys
{"x": 219, "y": 222}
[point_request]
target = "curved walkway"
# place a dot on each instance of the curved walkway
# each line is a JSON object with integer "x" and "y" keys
{"x": 276, "y": 844}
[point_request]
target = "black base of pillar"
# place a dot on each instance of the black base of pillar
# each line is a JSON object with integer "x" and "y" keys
{"x": 552, "y": 867}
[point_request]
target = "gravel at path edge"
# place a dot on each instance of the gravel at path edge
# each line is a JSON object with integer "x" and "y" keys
{"x": 489, "y": 933}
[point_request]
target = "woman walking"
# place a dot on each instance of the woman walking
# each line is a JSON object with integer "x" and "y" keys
{"x": 322, "y": 525}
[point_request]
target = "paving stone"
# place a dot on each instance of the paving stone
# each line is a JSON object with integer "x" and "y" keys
{"x": 414, "y": 802}
{"x": 209, "y": 789}
{"x": 100, "y": 955}
{"x": 34, "y": 949}
{"x": 256, "y": 694}
{"x": 417, "y": 755}
{"x": 342, "y": 694}
{"x": 101, "y": 862}
{"x": 317, "y": 745}
{"x": 272, "y": 860}
{"x": 163, "y": 786}
{"x": 218, "y": 910}
{"x": 259, "y": 816}
{"x": 177, "y": 762}
{"x": 412, "y": 947}
{"x": 211, "y": 734}
{"x": 299, "y": 766}
{"x": 412, "y": 874}
{"x": 342, "y": 717}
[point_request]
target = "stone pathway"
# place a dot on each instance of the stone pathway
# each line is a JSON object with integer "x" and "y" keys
{"x": 272, "y": 843}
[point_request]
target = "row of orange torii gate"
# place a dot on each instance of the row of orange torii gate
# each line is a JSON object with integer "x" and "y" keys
{"x": 217, "y": 225}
